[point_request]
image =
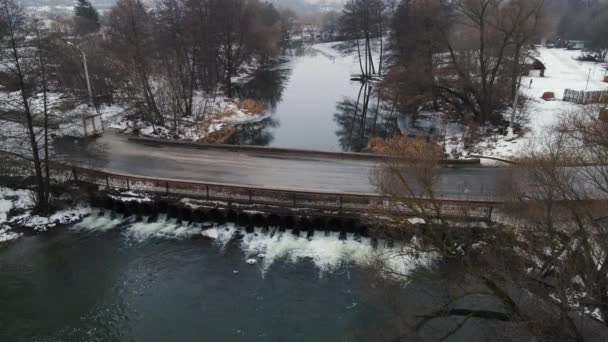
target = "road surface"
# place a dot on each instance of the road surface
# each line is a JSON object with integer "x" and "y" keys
{"x": 115, "y": 153}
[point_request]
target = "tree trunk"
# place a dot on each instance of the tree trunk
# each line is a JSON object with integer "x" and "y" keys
{"x": 40, "y": 193}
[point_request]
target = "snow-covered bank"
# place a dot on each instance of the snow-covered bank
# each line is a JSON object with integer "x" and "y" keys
{"x": 212, "y": 120}
{"x": 16, "y": 211}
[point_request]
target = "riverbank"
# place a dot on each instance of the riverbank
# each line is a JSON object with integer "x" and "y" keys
{"x": 17, "y": 217}
{"x": 213, "y": 121}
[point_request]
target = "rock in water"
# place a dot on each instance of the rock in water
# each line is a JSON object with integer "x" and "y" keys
{"x": 252, "y": 261}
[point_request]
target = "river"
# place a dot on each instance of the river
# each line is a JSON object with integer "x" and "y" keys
{"x": 314, "y": 104}
{"x": 110, "y": 279}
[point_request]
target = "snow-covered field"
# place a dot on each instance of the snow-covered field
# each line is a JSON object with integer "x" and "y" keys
{"x": 563, "y": 72}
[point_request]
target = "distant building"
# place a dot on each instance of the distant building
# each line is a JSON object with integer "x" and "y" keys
{"x": 576, "y": 44}
{"x": 534, "y": 67}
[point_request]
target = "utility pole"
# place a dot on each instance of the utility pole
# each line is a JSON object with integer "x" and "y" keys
{"x": 516, "y": 99}
{"x": 588, "y": 78}
{"x": 86, "y": 74}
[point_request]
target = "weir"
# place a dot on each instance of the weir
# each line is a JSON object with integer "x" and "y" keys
{"x": 296, "y": 219}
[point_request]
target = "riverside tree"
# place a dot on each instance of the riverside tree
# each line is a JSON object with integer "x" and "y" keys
{"x": 566, "y": 225}
{"x": 544, "y": 262}
{"x": 86, "y": 18}
{"x": 465, "y": 53}
{"x": 364, "y": 20}
{"x": 132, "y": 44}
{"x": 170, "y": 57}
{"x": 25, "y": 107}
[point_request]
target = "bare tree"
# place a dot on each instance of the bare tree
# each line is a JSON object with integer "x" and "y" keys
{"x": 532, "y": 262}
{"x": 26, "y": 111}
{"x": 363, "y": 20}
{"x": 568, "y": 221}
{"x": 131, "y": 41}
{"x": 464, "y": 53}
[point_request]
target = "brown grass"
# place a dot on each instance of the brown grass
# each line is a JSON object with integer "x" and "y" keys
{"x": 252, "y": 106}
{"x": 406, "y": 147}
{"x": 219, "y": 137}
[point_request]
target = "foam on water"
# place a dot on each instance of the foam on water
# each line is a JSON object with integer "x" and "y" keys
{"x": 162, "y": 228}
{"x": 326, "y": 250}
{"x": 98, "y": 223}
{"x": 222, "y": 234}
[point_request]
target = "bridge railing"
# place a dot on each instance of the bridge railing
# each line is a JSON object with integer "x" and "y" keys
{"x": 294, "y": 199}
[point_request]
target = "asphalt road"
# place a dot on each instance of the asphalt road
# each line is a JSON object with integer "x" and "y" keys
{"x": 115, "y": 153}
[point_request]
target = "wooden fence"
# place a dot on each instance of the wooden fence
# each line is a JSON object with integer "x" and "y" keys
{"x": 586, "y": 97}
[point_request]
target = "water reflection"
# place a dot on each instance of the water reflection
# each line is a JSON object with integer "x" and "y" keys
{"x": 366, "y": 116}
{"x": 314, "y": 104}
{"x": 266, "y": 85}
{"x": 256, "y": 134}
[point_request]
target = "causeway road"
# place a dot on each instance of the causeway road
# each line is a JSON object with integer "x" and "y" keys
{"x": 114, "y": 152}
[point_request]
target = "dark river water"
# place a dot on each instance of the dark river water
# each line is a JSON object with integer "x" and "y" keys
{"x": 314, "y": 104}
{"x": 110, "y": 280}
{"x": 114, "y": 279}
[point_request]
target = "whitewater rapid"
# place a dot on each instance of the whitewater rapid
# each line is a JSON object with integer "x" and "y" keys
{"x": 265, "y": 246}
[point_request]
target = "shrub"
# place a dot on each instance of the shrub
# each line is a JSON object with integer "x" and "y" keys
{"x": 252, "y": 106}
{"x": 416, "y": 148}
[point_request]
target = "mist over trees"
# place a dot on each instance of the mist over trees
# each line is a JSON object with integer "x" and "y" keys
{"x": 584, "y": 20}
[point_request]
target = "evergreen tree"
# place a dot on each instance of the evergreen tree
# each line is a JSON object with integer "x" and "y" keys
{"x": 86, "y": 18}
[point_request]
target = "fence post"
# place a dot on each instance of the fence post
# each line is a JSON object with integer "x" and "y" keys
{"x": 128, "y": 185}
{"x": 207, "y": 186}
{"x": 294, "y": 199}
{"x": 107, "y": 182}
{"x": 341, "y": 202}
{"x": 167, "y": 187}
{"x": 250, "y": 197}
{"x": 75, "y": 175}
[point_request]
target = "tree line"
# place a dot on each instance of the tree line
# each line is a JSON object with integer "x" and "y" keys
{"x": 161, "y": 61}
{"x": 160, "y": 57}
{"x": 464, "y": 57}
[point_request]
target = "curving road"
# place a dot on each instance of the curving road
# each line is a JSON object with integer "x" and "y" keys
{"x": 115, "y": 153}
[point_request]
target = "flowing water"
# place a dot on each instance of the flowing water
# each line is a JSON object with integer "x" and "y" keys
{"x": 114, "y": 279}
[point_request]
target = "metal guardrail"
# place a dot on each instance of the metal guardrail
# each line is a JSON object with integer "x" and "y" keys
{"x": 355, "y": 203}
